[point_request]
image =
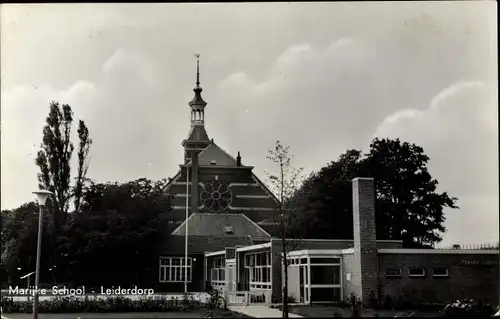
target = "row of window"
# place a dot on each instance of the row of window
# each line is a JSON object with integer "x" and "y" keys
{"x": 174, "y": 261}
{"x": 217, "y": 274}
{"x": 218, "y": 271}
{"x": 416, "y": 272}
{"x": 173, "y": 269}
{"x": 314, "y": 261}
{"x": 258, "y": 259}
{"x": 261, "y": 274}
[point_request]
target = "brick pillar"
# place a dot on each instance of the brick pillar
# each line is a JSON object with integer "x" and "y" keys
{"x": 194, "y": 182}
{"x": 365, "y": 250}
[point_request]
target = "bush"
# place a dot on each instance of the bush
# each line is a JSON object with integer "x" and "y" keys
{"x": 402, "y": 303}
{"x": 188, "y": 302}
{"x": 387, "y": 303}
{"x": 215, "y": 299}
{"x": 468, "y": 309}
{"x": 95, "y": 304}
{"x": 355, "y": 306}
{"x": 372, "y": 300}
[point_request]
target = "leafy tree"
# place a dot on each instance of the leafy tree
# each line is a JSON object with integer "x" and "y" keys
{"x": 54, "y": 160}
{"x": 119, "y": 223}
{"x": 83, "y": 162}
{"x": 19, "y": 239}
{"x": 408, "y": 207}
{"x": 114, "y": 236}
{"x": 328, "y": 208}
{"x": 285, "y": 185}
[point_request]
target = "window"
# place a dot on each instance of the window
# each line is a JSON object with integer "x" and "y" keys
{"x": 440, "y": 272}
{"x": 259, "y": 269}
{"x": 173, "y": 269}
{"x": 217, "y": 274}
{"x": 325, "y": 274}
{"x": 416, "y": 272}
{"x": 393, "y": 272}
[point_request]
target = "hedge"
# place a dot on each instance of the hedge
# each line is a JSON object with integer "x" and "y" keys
{"x": 72, "y": 304}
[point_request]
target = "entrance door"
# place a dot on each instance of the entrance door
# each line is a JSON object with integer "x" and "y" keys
{"x": 231, "y": 276}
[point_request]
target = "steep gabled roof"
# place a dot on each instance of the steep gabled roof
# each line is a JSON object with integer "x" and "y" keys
{"x": 214, "y": 153}
{"x": 172, "y": 180}
{"x": 200, "y": 244}
{"x": 203, "y": 224}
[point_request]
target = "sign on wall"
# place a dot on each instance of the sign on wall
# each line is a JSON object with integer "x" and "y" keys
{"x": 479, "y": 262}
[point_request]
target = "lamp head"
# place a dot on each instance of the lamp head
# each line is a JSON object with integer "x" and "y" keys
{"x": 42, "y": 196}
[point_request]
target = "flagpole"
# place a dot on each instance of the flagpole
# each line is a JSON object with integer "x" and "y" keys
{"x": 186, "y": 232}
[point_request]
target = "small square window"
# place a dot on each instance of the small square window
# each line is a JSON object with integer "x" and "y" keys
{"x": 416, "y": 272}
{"x": 440, "y": 272}
{"x": 393, "y": 272}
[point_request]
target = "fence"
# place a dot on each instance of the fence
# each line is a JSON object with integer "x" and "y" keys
{"x": 472, "y": 246}
{"x": 248, "y": 298}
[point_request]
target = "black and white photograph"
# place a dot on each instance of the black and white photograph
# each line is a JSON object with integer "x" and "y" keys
{"x": 249, "y": 160}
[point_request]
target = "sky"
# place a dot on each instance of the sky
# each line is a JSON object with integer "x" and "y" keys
{"x": 320, "y": 77}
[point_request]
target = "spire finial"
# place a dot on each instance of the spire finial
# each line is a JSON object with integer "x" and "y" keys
{"x": 197, "y": 56}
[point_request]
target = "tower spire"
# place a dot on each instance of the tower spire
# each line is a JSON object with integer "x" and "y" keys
{"x": 197, "y": 55}
{"x": 197, "y": 104}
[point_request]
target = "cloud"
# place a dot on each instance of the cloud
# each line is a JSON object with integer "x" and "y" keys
{"x": 305, "y": 98}
{"x": 459, "y": 132}
{"x": 112, "y": 109}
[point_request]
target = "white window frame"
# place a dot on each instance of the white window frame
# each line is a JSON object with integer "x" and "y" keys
{"x": 393, "y": 276}
{"x": 256, "y": 270}
{"x": 440, "y": 275}
{"x": 416, "y": 275}
{"x": 216, "y": 269}
{"x": 173, "y": 270}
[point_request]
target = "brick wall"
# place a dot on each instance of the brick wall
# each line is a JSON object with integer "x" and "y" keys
{"x": 365, "y": 246}
{"x": 317, "y": 244}
{"x": 478, "y": 282}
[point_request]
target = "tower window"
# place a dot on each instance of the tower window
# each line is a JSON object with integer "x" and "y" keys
{"x": 213, "y": 162}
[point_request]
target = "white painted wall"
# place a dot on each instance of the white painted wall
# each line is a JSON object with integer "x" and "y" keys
{"x": 294, "y": 283}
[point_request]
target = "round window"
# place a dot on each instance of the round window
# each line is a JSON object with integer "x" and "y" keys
{"x": 216, "y": 196}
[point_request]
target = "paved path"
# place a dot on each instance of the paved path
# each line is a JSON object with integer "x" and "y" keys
{"x": 136, "y": 315}
{"x": 261, "y": 312}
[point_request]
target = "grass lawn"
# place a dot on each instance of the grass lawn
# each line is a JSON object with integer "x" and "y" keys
{"x": 330, "y": 311}
{"x": 200, "y": 313}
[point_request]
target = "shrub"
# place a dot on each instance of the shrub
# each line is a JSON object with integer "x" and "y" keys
{"x": 372, "y": 300}
{"x": 387, "y": 303}
{"x": 73, "y": 304}
{"x": 188, "y": 302}
{"x": 468, "y": 309}
{"x": 355, "y": 306}
{"x": 402, "y": 303}
{"x": 215, "y": 299}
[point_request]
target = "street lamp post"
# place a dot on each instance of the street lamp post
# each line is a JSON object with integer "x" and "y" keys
{"x": 42, "y": 196}
{"x": 186, "y": 234}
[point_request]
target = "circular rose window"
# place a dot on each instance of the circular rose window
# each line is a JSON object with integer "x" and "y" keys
{"x": 216, "y": 196}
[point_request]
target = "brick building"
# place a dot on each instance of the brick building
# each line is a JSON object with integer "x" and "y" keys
{"x": 232, "y": 242}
